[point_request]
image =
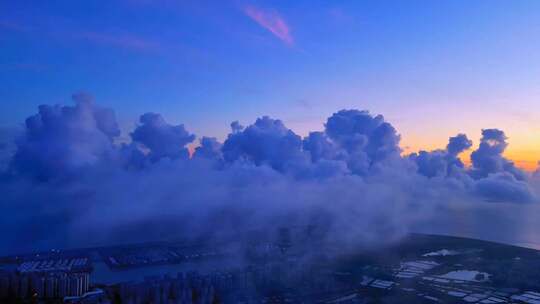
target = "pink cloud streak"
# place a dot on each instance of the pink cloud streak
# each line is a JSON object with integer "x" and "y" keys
{"x": 272, "y": 21}
{"x": 123, "y": 41}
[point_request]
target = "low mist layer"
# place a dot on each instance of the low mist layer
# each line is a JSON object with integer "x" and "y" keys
{"x": 68, "y": 181}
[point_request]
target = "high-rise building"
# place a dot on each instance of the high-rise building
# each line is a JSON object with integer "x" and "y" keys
{"x": 63, "y": 286}
{"x": 4, "y": 285}
{"x": 43, "y": 284}
{"x": 37, "y": 285}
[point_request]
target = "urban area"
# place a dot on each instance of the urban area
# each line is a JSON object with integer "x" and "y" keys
{"x": 280, "y": 269}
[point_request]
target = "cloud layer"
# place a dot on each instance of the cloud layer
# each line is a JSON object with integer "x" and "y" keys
{"x": 71, "y": 183}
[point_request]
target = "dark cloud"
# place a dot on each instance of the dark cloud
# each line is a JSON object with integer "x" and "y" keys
{"x": 320, "y": 147}
{"x": 432, "y": 164}
{"x": 162, "y": 139}
{"x": 60, "y": 140}
{"x": 443, "y": 163}
{"x": 367, "y": 139}
{"x": 492, "y": 177}
{"x": 236, "y": 126}
{"x": 488, "y": 158}
{"x": 210, "y": 148}
{"x": 458, "y": 144}
{"x": 7, "y": 145}
{"x": 504, "y": 187}
{"x": 69, "y": 176}
{"x": 267, "y": 141}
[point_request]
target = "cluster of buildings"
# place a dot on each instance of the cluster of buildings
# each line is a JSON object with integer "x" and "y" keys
{"x": 275, "y": 273}
{"x": 46, "y": 279}
{"x": 456, "y": 286}
{"x": 67, "y": 280}
{"x": 188, "y": 288}
{"x": 270, "y": 283}
{"x": 142, "y": 256}
{"x": 54, "y": 265}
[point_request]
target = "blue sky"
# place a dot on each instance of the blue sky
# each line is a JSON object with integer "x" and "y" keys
{"x": 433, "y": 68}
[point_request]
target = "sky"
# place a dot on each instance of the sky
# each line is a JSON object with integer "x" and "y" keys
{"x": 432, "y": 68}
{"x": 136, "y": 120}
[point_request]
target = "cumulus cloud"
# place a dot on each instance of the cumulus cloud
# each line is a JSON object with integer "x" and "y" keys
{"x": 7, "y": 145}
{"x": 496, "y": 177}
{"x": 443, "y": 163}
{"x": 365, "y": 139}
{"x": 489, "y": 159}
{"x": 209, "y": 148}
{"x": 236, "y": 126}
{"x": 358, "y": 130}
{"x": 59, "y": 140}
{"x": 70, "y": 175}
{"x": 504, "y": 186}
{"x": 492, "y": 177}
{"x": 320, "y": 147}
{"x": 458, "y": 144}
{"x": 267, "y": 141}
{"x": 162, "y": 139}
